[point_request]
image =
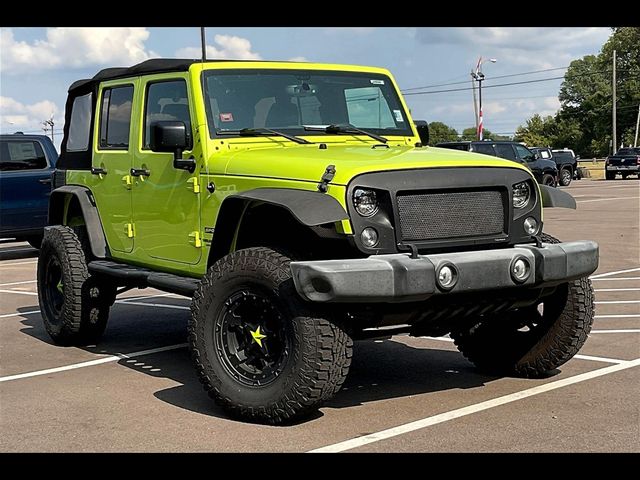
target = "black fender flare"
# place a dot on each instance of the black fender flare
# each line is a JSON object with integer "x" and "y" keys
{"x": 553, "y": 197}
{"x": 310, "y": 208}
{"x": 97, "y": 239}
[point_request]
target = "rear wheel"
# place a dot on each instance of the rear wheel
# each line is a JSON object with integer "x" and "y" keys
{"x": 259, "y": 352}
{"x": 565, "y": 176}
{"x": 74, "y": 306}
{"x": 531, "y": 341}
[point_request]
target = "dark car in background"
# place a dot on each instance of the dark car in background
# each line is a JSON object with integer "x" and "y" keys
{"x": 26, "y": 165}
{"x": 626, "y": 161}
{"x": 565, "y": 160}
{"x": 545, "y": 171}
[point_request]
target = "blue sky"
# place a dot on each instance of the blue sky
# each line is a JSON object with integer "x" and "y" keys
{"x": 37, "y": 65}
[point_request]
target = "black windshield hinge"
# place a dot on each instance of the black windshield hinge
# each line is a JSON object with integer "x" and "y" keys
{"x": 327, "y": 176}
{"x": 411, "y": 247}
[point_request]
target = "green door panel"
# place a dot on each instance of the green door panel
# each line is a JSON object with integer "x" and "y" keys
{"x": 166, "y": 204}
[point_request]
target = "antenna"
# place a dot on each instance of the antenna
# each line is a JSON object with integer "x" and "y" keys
{"x": 204, "y": 45}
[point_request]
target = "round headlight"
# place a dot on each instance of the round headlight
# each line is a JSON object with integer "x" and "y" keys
{"x": 530, "y": 226}
{"x": 369, "y": 237}
{"x": 521, "y": 194}
{"x": 365, "y": 202}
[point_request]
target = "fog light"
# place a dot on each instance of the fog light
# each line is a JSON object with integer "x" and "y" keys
{"x": 530, "y": 226}
{"x": 447, "y": 277}
{"x": 520, "y": 269}
{"x": 369, "y": 237}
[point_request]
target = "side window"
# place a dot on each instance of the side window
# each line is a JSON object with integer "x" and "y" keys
{"x": 505, "y": 150}
{"x": 367, "y": 108}
{"x": 166, "y": 101}
{"x": 80, "y": 126}
{"x": 487, "y": 149}
{"x": 523, "y": 152}
{"x": 21, "y": 155}
{"x": 115, "y": 117}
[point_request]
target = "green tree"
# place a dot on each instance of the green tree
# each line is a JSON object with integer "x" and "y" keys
{"x": 536, "y": 132}
{"x": 470, "y": 134}
{"x": 441, "y": 132}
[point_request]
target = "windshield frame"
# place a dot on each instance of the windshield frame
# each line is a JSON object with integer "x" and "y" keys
{"x": 215, "y": 134}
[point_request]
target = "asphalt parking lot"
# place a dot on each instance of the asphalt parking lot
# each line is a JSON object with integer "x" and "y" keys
{"x": 137, "y": 390}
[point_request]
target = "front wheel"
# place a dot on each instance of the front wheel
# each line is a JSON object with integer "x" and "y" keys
{"x": 610, "y": 175}
{"x": 531, "y": 341}
{"x": 549, "y": 180}
{"x": 565, "y": 176}
{"x": 259, "y": 352}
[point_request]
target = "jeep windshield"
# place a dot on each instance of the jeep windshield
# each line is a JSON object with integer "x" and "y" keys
{"x": 290, "y": 100}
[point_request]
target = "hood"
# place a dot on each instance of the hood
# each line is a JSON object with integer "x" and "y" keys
{"x": 308, "y": 162}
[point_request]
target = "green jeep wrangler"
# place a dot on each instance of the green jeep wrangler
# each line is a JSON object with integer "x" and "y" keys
{"x": 300, "y": 208}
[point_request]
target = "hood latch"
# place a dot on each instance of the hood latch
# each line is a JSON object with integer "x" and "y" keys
{"x": 327, "y": 176}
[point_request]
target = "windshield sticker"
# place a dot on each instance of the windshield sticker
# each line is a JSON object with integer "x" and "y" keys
{"x": 377, "y": 82}
{"x": 398, "y": 115}
{"x": 226, "y": 117}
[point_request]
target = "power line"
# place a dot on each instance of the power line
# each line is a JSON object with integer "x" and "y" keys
{"x": 488, "y": 86}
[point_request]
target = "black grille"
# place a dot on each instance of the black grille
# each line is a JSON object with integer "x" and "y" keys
{"x": 430, "y": 216}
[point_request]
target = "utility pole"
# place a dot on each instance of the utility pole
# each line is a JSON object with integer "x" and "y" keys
{"x": 49, "y": 124}
{"x": 615, "y": 133}
{"x": 204, "y": 44}
{"x": 478, "y": 76}
{"x": 475, "y": 104}
{"x": 635, "y": 142}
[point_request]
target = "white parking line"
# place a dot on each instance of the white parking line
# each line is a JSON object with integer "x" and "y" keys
{"x": 17, "y": 283}
{"x": 90, "y": 363}
{"x": 614, "y": 279}
{"x": 617, "y": 289}
{"x": 599, "y": 359}
{"x": 5, "y": 264}
{"x": 475, "y": 408}
{"x": 622, "y": 315}
{"x": 159, "y": 305}
{"x": 605, "y": 199}
{"x": 25, "y": 249}
{"x": 604, "y": 302}
{"x": 19, "y": 292}
{"x": 624, "y": 330}
{"x": 610, "y": 274}
{"x": 18, "y": 314}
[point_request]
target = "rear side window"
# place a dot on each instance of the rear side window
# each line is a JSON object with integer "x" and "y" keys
{"x": 166, "y": 101}
{"x": 115, "y": 117}
{"x": 21, "y": 155}
{"x": 504, "y": 150}
{"x": 80, "y": 125}
{"x": 487, "y": 149}
{"x": 523, "y": 152}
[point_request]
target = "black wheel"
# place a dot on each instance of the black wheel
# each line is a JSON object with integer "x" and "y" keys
{"x": 531, "y": 341}
{"x": 624, "y": 176}
{"x": 259, "y": 352}
{"x": 610, "y": 175}
{"x": 74, "y": 305}
{"x": 549, "y": 180}
{"x": 577, "y": 174}
{"x": 35, "y": 241}
{"x": 565, "y": 176}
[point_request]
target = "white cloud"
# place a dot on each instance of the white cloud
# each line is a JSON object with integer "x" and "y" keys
{"x": 298, "y": 59}
{"x": 74, "y": 47}
{"x": 536, "y": 47}
{"x": 226, "y": 47}
{"x": 18, "y": 116}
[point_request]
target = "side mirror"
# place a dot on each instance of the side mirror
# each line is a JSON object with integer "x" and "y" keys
{"x": 423, "y": 131}
{"x": 172, "y": 136}
{"x": 577, "y": 157}
{"x": 536, "y": 156}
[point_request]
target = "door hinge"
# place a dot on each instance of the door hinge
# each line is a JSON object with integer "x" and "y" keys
{"x": 129, "y": 230}
{"x": 128, "y": 181}
{"x": 195, "y": 239}
{"x": 195, "y": 184}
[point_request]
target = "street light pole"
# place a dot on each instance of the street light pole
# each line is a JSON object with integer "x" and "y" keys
{"x": 479, "y": 77}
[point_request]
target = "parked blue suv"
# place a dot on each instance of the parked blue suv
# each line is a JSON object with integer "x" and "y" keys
{"x": 26, "y": 166}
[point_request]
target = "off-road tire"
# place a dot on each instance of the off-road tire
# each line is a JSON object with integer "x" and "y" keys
{"x": 566, "y": 175}
{"x": 547, "y": 179}
{"x": 83, "y": 314}
{"x": 495, "y": 348}
{"x": 320, "y": 354}
{"x": 610, "y": 175}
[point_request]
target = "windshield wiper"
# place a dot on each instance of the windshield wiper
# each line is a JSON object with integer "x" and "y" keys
{"x": 250, "y": 132}
{"x": 346, "y": 128}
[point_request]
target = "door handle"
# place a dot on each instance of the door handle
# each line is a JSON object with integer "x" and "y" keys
{"x": 45, "y": 181}
{"x": 140, "y": 172}
{"x": 98, "y": 171}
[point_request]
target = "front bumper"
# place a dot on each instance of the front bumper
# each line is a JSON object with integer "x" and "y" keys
{"x": 400, "y": 278}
